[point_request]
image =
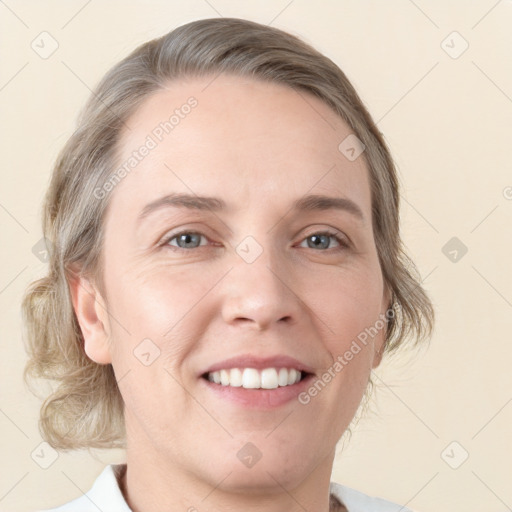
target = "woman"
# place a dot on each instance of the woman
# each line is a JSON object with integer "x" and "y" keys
{"x": 226, "y": 270}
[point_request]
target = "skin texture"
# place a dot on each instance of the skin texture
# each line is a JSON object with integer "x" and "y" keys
{"x": 259, "y": 147}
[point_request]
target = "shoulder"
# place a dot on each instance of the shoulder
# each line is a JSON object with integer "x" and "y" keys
{"x": 103, "y": 495}
{"x": 356, "y": 501}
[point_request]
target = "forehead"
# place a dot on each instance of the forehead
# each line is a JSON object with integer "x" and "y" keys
{"x": 238, "y": 137}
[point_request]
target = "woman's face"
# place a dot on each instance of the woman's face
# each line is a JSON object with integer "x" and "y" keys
{"x": 218, "y": 257}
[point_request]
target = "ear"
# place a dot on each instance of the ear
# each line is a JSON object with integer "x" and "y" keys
{"x": 91, "y": 312}
{"x": 379, "y": 341}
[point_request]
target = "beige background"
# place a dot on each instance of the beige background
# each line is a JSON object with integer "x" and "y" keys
{"x": 447, "y": 121}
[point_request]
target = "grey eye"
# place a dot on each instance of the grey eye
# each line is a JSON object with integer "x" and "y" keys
{"x": 320, "y": 241}
{"x": 186, "y": 240}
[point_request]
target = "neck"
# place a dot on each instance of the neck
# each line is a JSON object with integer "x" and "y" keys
{"x": 151, "y": 483}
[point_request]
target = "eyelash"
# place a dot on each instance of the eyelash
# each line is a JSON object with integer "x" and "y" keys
{"x": 343, "y": 244}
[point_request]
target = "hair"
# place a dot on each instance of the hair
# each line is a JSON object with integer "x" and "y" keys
{"x": 85, "y": 407}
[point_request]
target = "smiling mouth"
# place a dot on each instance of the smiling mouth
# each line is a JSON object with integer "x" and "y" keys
{"x": 251, "y": 378}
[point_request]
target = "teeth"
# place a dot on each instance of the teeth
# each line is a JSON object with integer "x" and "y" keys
{"x": 250, "y": 378}
{"x": 235, "y": 378}
{"x": 224, "y": 377}
{"x": 269, "y": 378}
{"x": 282, "y": 378}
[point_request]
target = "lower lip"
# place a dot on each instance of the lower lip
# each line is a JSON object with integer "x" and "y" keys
{"x": 259, "y": 398}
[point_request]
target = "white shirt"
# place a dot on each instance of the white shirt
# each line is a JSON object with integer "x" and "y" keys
{"x": 105, "y": 495}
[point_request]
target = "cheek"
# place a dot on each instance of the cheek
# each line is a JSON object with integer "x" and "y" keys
{"x": 152, "y": 301}
{"x": 159, "y": 310}
{"x": 349, "y": 307}
{"x": 348, "y": 301}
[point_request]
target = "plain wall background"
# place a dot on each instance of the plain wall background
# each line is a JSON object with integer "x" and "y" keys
{"x": 447, "y": 119}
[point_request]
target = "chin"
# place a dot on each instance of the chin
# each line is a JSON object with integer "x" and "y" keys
{"x": 268, "y": 471}
{"x": 264, "y": 480}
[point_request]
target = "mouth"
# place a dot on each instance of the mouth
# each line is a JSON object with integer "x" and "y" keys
{"x": 257, "y": 382}
{"x": 253, "y": 378}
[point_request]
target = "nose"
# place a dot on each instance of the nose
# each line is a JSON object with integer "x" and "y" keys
{"x": 260, "y": 294}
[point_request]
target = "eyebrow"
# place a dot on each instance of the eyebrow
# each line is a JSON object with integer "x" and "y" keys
{"x": 191, "y": 202}
{"x": 312, "y": 202}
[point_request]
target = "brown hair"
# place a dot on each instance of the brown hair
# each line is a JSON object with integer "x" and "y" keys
{"x": 85, "y": 409}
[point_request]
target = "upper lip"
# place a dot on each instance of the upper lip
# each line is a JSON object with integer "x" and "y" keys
{"x": 259, "y": 363}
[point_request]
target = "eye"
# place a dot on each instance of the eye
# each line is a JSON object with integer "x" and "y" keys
{"x": 185, "y": 240}
{"x": 324, "y": 240}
